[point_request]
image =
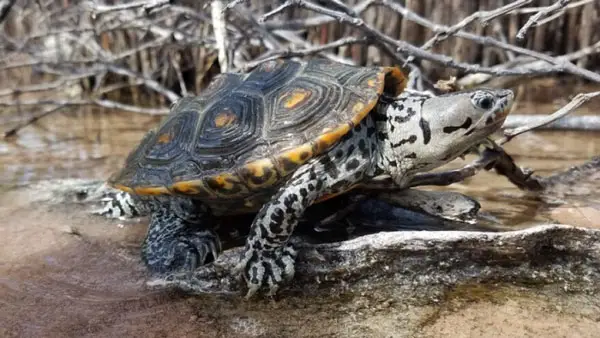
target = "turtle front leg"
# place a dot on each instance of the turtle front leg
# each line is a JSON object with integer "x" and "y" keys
{"x": 177, "y": 240}
{"x": 268, "y": 259}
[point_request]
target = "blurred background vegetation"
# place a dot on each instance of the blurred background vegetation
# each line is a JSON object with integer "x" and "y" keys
{"x": 62, "y": 52}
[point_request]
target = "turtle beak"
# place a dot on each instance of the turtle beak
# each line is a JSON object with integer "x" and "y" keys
{"x": 503, "y": 107}
{"x": 504, "y": 104}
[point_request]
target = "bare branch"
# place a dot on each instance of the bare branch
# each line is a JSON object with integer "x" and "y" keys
{"x": 125, "y": 107}
{"x": 79, "y": 102}
{"x": 574, "y": 104}
{"x": 5, "y": 7}
{"x": 182, "y": 86}
{"x": 578, "y": 122}
{"x": 442, "y": 32}
{"x": 232, "y": 4}
{"x": 303, "y": 52}
{"x": 14, "y": 130}
{"x": 542, "y": 13}
{"x": 42, "y": 87}
{"x": 147, "y": 81}
{"x": 145, "y": 4}
{"x": 314, "y": 20}
{"x": 218, "y": 21}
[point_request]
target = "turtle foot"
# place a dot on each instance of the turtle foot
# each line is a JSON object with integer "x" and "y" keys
{"x": 182, "y": 253}
{"x": 268, "y": 269}
{"x": 177, "y": 245}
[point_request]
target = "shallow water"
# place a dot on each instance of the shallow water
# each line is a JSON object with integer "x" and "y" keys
{"x": 66, "y": 273}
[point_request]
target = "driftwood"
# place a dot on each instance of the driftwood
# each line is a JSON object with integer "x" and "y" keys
{"x": 579, "y": 122}
{"x": 549, "y": 254}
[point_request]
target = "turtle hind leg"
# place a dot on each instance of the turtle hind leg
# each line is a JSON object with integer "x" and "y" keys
{"x": 175, "y": 244}
{"x": 119, "y": 204}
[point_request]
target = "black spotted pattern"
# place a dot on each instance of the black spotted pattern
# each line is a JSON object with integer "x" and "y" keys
{"x": 424, "y": 125}
{"x": 411, "y": 139}
{"x": 449, "y": 130}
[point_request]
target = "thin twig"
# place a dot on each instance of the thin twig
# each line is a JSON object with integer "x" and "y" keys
{"x": 532, "y": 10}
{"x": 218, "y": 21}
{"x": 542, "y": 13}
{"x": 147, "y": 81}
{"x": 578, "y": 122}
{"x": 61, "y": 83}
{"x": 89, "y": 102}
{"x": 14, "y": 130}
{"x": 568, "y": 108}
{"x": 445, "y": 32}
{"x": 182, "y": 86}
{"x": 126, "y": 107}
{"x": 232, "y": 4}
{"x": 303, "y": 52}
{"x": 5, "y": 7}
{"x": 313, "y": 21}
{"x": 145, "y": 4}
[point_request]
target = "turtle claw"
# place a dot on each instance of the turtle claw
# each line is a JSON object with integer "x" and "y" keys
{"x": 206, "y": 246}
{"x": 185, "y": 253}
{"x": 267, "y": 269}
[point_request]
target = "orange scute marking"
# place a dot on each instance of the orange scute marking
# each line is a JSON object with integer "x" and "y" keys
{"x": 124, "y": 188}
{"x": 358, "y": 107}
{"x": 296, "y": 97}
{"x": 225, "y": 118}
{"x": 164, "y": 138}
{"x": 151, "y": 191}
{"x": 325, "y": 141}
{"x": 224, "y": 181}
{"x": 299, "y": 154}
{"x": 361, "y": 110}
{"x": 188, "y": 187}
{"x": 256, "y": 167}
{"x": 372, "y": 82}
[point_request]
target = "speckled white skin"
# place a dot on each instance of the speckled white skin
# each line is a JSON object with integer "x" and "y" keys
{"x": 404, "y": 136}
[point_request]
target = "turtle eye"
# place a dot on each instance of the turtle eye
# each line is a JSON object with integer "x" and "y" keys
{"x": 484, "y": 102}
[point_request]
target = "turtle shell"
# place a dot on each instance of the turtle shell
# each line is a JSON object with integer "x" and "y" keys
{"x": 248, "y": 132}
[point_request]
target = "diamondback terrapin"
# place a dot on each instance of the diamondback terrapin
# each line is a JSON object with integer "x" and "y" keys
{"x": 282, "y": 137}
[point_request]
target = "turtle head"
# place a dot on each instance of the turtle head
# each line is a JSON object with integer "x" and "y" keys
{"x": 426, "y": 132}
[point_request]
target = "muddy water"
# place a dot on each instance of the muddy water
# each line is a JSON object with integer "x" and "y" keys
{"x": 66, "y": 273}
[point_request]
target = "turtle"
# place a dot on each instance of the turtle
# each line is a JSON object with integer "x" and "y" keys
{"x": 282, "y": 137}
